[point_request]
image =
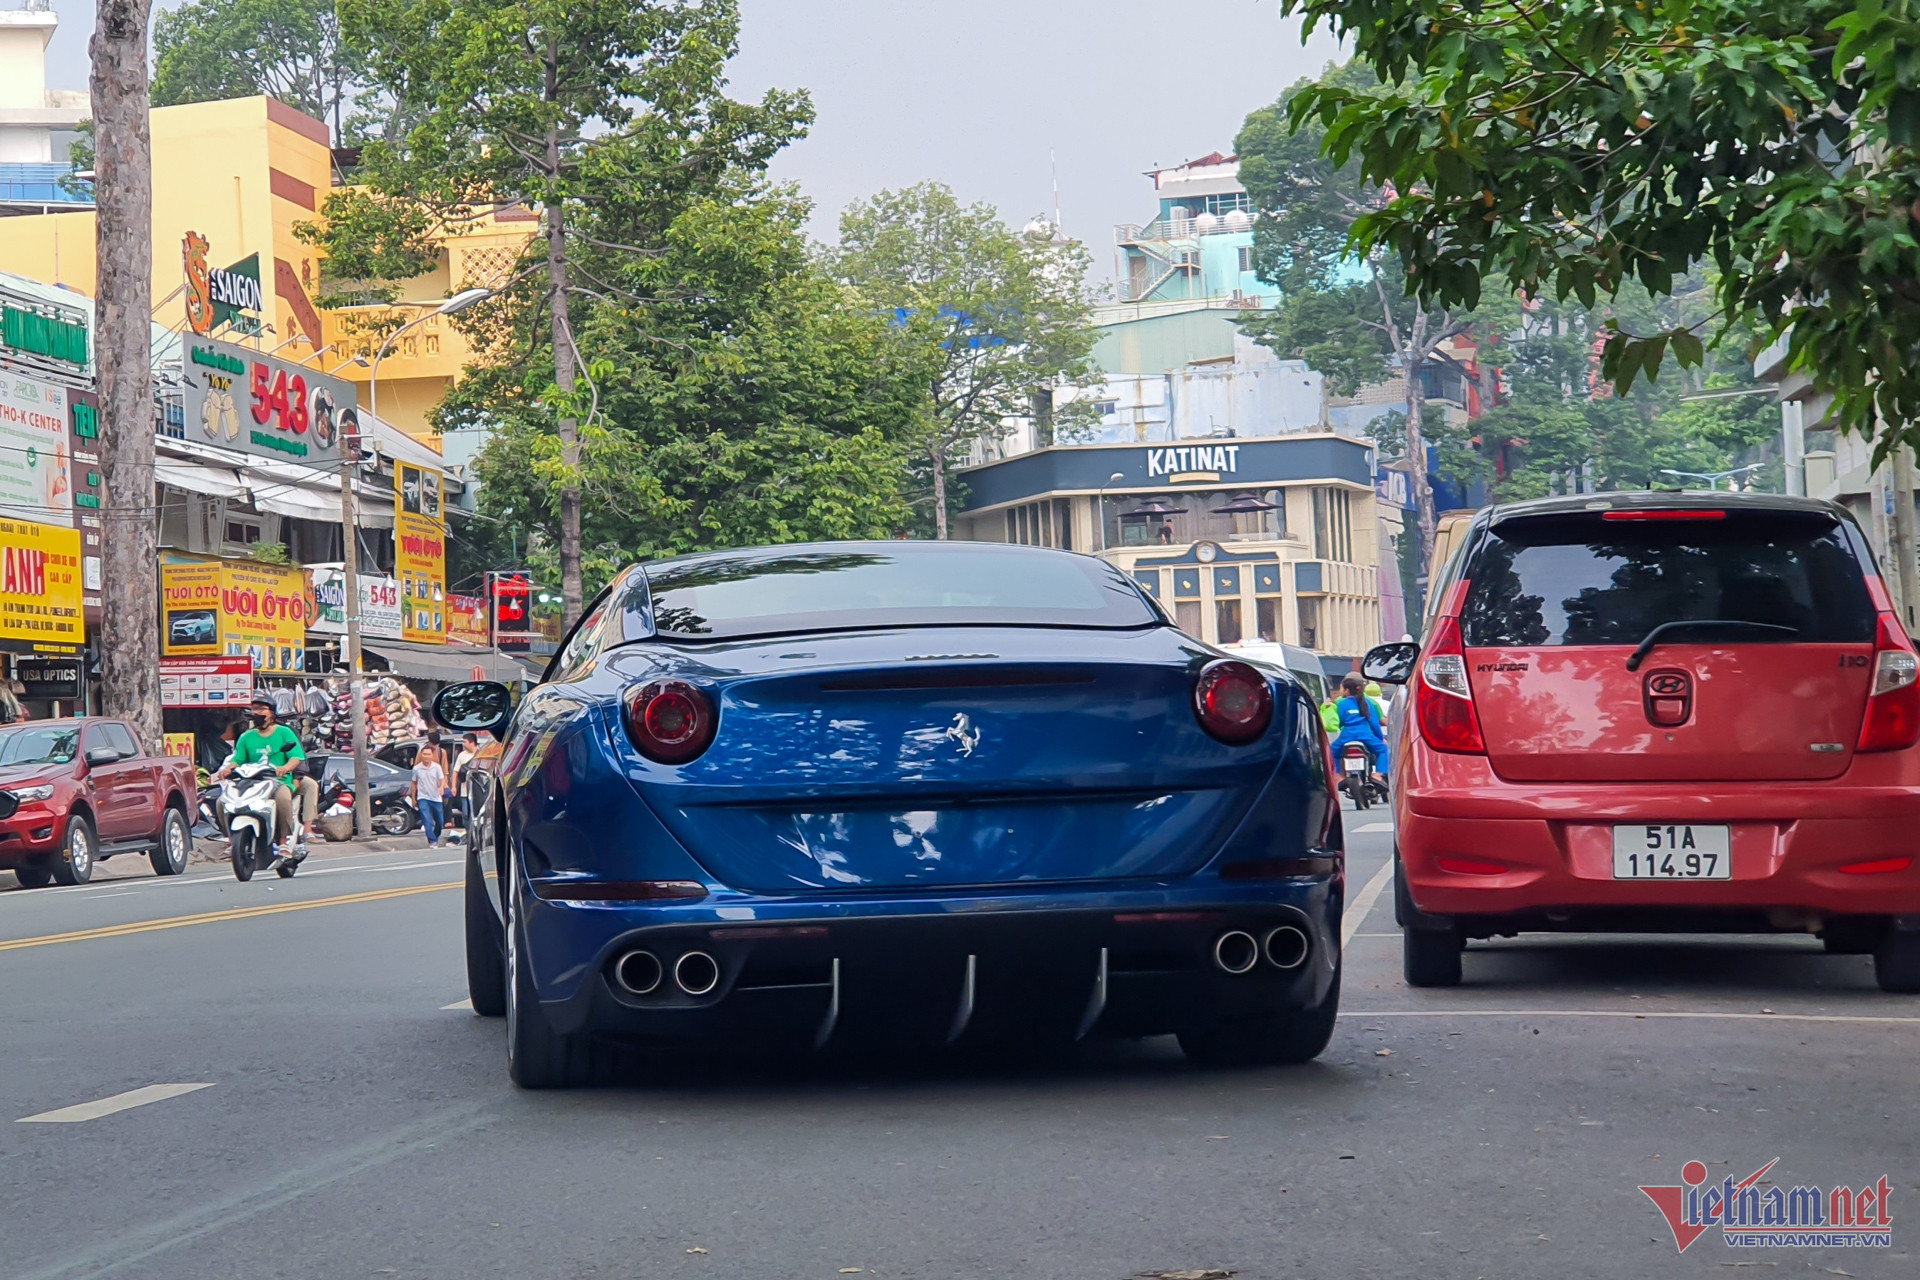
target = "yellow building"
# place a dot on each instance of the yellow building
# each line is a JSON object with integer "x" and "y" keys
{"x": 231, "y": 180}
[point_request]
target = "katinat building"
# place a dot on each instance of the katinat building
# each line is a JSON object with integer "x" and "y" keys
{"x": 1214, "y": 473}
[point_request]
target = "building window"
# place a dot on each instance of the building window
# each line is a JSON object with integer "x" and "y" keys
{"x": 1246, "y": 257}
{"x": 1186, "y": 616}
{"x": 1229, "y": 202}
{"x": 1266, "y": 619}
{"x": 1046, "y": 523}
{"x": 242, "y": 534}
{"x": 1106, "y": 408}
{"x": 1226, "y": 619}
{"x": 1333, "y": 525}
{"x": 1310, "y": 624}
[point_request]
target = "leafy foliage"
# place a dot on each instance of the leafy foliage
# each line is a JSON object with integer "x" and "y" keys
{"x": 986, "y": 316}
{"x": 292, "y": 50}
{"x": 758, "y": 406}
{"x": 1568, "y": 150}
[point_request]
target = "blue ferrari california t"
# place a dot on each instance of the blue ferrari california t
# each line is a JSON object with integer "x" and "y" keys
{"x": 935, "y": 792}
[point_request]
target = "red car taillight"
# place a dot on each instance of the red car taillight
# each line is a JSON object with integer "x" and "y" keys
{"x": 1232, "y": 702}
{"x": 669, "y": 720}
{"x": 1893, "y": 704}
{"x": 1443, "y": 699}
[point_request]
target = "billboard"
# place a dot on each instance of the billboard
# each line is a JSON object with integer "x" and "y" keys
{"x": 467, "y": 619}
{"x": 206, "y": 682}
{"x": 242, "y": 399}
{"x": 236, "y": 609}
{"x": 379, "y": 603}
{"x": 420, "y": 552}
{"x": 36, "y": 464}
{"x": 40, "y": 595}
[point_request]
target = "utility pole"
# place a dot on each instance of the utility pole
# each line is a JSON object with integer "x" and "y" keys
{"x": 356, "y": 689}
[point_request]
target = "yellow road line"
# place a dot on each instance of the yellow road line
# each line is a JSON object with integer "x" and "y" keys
{"x": 216, "y": 917}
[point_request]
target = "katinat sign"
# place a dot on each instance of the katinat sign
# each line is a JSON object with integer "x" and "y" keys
{"x": 1187, "y": 460}
{"x": 243, "y": 399}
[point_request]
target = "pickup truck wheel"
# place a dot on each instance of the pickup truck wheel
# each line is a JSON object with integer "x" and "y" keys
{"x": 169, "y": 857}
{"x": 33, "y": 875}
{"x": 74, "y": 863}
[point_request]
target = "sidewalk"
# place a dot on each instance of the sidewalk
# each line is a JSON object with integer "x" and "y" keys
{"x": 208, "y": 850}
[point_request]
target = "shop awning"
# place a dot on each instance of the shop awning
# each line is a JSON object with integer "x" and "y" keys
{"x": 447, "y": 662}
{"x": 295, "y": 500}
{"x": 193, "y": 477}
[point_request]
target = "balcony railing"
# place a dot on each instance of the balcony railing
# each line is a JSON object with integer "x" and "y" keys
{"x": 29, "y": 183}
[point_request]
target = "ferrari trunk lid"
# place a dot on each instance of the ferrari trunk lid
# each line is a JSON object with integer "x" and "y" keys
{"x": 904, "y": 759}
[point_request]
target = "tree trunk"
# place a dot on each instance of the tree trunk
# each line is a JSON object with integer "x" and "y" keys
{"x": 939, "y": 491}
{"x": 564, "y": 358}
{"x": 129, "y": 642}
{"x": 1412, "y": 359}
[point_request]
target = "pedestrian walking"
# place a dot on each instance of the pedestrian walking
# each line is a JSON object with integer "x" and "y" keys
{"x": 429, "y": 792}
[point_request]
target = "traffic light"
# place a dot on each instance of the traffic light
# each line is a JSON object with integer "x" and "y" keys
{"x": 510, "y": 600}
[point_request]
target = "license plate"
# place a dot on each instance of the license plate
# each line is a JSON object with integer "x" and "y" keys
{"x": 1671, "y": 851}
{"x": 1356, "y": 764}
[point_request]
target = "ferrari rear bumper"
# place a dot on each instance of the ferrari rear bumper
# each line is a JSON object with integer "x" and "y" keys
{"x": 1127, "y": 960}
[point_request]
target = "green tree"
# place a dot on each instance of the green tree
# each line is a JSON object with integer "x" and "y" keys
{"x": 1566, "y": 150}
{"x": 607, "y": 116}
{"x": 758, "y": 404}
{"x": 990, "y": 318}
{"x": 292, "y": 50}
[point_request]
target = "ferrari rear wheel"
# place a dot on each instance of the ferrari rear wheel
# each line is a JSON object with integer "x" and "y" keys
{"x": 486, "y": 966}
{"x": 1282, "y": 1039}
{"x": 538, "y": 1057}
{"x": 1431, "y": 957}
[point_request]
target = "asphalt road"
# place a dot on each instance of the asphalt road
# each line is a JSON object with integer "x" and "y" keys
{"x": 355, "y": 1118}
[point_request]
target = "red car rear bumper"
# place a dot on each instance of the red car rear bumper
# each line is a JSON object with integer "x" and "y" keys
{"x": 1788, "y": 841}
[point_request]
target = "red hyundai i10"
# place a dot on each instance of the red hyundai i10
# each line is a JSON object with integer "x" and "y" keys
{"x": 1659, "y": 712}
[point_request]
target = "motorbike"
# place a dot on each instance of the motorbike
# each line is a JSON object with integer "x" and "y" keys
{"x": 246, "y": 804}
{"x": 1357, "y": 777}
{"x": 392, "y": 815}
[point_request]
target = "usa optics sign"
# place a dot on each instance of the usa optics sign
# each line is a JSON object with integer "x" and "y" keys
{"x": 243, "y": 399}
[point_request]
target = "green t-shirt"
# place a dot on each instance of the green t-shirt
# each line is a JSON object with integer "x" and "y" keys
{"x": 276, "y": 746}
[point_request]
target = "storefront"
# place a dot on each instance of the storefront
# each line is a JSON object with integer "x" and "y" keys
{"x": 42, "y": 626}
{"x": 1270, "y": 538}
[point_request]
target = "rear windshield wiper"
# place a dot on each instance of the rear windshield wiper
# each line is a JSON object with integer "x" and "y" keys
{"x": 1654, "y": 636}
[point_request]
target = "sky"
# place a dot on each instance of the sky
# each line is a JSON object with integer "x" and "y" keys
{"x": 977, "y": 95}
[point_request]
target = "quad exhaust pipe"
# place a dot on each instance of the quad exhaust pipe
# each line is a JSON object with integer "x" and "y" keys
{"x": 1284, "y": 947}
{"x": 638, "y": 973}
{"x": 696, "y": 973}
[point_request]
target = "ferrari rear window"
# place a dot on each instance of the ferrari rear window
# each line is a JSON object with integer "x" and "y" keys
{"x": 1584, "y": 581}
{"x": 847, "y": 586}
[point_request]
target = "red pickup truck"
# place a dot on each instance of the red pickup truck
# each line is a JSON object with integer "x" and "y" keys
{"x": 74, "y": 793}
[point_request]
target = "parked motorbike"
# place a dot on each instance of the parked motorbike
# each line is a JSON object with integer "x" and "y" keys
{"x": 246, "y": 805}
{"x": 1357, "y": 777}
{"x": 392, "y": 815}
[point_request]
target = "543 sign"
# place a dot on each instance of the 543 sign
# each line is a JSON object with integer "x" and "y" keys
{"x": 248, "y": 400}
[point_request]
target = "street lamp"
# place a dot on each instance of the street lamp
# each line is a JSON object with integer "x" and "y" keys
{"x": 1714, "y": 478}
{"x": 451, "y": 307}
{"x": 1112, "y": 480}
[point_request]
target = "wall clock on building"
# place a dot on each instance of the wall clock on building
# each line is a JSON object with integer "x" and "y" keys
{"x": 1206, "y": 552}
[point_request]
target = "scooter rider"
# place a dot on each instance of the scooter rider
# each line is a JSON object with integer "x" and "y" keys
{"x": 1360, "y": 721}
{"x": 280, "y": 747}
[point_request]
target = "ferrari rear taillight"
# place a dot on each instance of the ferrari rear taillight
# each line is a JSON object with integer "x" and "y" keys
{"x": 1232, "y": 702}
{"x": 1443, "y": 699}
{"x": 1892, "y": 722}
{"x": 669, "y": 720}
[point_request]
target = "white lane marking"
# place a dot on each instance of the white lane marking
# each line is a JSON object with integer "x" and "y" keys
{"x": 175, "y": 882}
{"x": 402, "y": 866}
{"x": 124, "y": 893}
{"x": 1364, "y": 903}
{"x": 1628, "y": 1013}
{"x": 118, "y": 1102}
{"x": 1367, "y": 828}
{"x": 1376, "y": 935}
{"x": 464, "y": 1006}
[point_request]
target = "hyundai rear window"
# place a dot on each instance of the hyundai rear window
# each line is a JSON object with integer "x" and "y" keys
{"x": 1579, "y": 580}
{"x": 855, "y": 585}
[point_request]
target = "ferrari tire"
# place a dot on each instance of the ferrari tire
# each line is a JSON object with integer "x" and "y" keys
{"x": 33, "y": 875}
{"x": 78, "y": 852}
{"x": 1287, "y": 1038}
{"x": 169, "y": 857}
{"x": 1402, "y": 907}
{"x": 1896, "y": 961}
{"x": 486, "y": 966}
{"x": 538, "y": 1057}
{"x": 1431, "y": 957}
